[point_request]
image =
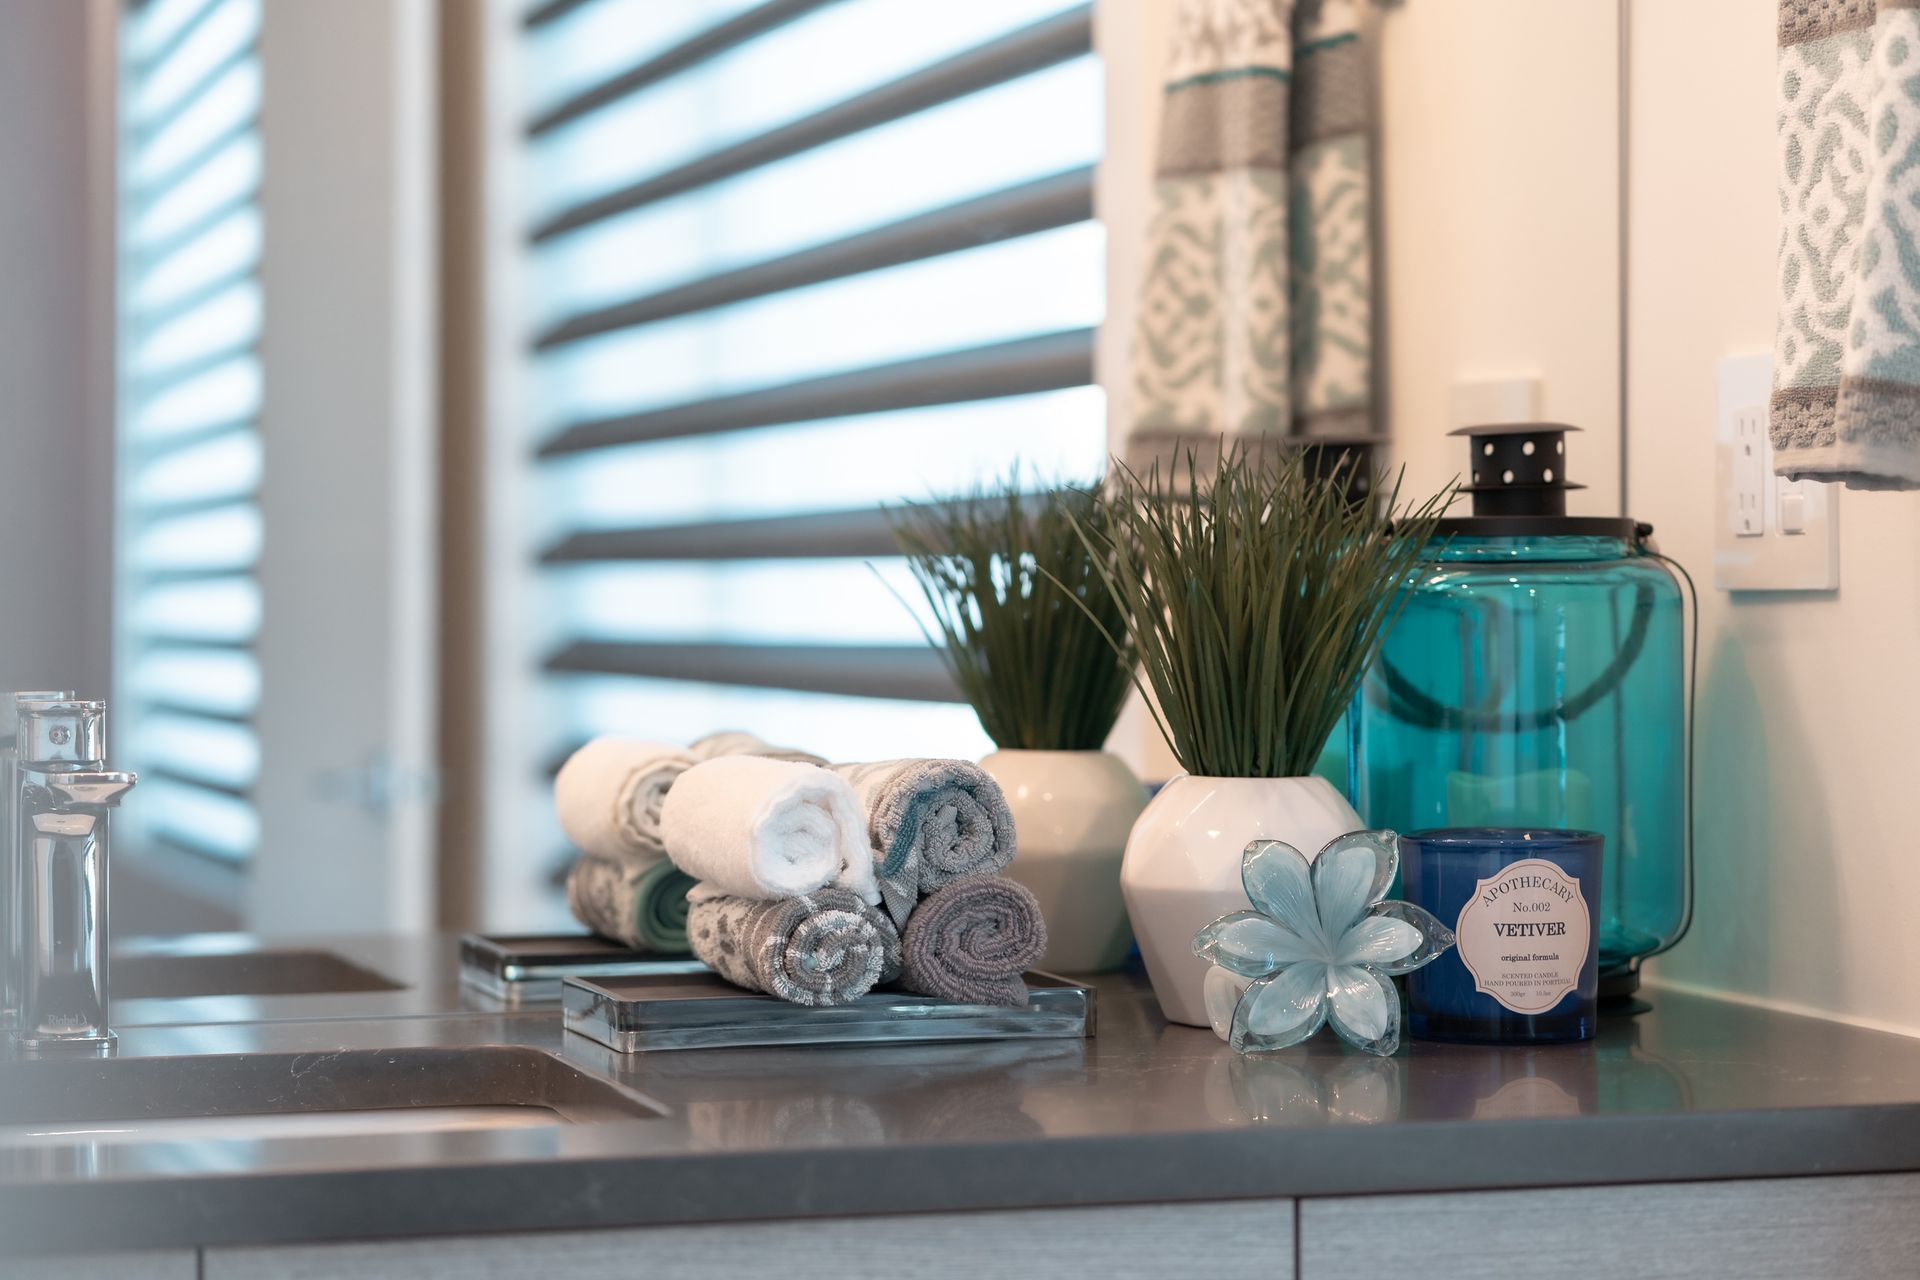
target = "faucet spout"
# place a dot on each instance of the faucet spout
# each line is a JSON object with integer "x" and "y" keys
{"x": 88, "y": 789}
{"x": 63, "y": 802}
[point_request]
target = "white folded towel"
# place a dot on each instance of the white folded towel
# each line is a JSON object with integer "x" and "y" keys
{"x": 750, "y": 827}
{"x": 609, "y": 794}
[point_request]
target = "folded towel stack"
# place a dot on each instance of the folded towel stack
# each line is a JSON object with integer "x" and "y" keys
{"x": 942, "y": 832}
{"x": 610, "y": 795}
{"x": 931, "y": 822}
{"x": 774, "y": 869}
{"x": 825, "y": 947}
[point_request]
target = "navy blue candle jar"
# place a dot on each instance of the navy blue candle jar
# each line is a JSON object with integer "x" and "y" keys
{"x": 1524, "y": 968}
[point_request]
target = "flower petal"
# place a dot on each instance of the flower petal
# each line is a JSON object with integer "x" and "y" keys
{"x": 1221, "y": 994}
{"x": 1281, "y": 1010}
{"x": 1352, "y": 873}
{"x": 1364, "y": 1008}
{"x": 1435, "y": 937}
{"x": 1280, "y": 886}
{"x": 1251, "y": 945}
{"x": 1377, "y": 940}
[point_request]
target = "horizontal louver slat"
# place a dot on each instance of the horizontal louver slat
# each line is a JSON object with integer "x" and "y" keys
{"x": 872, "y": 671}
{"x": 1047, "y": 363}
{"x": 1035, "y": 206}
{"x": 668, "y": 62}
{"x": 831, "y": 533}
{"x": 1044, "y": 43}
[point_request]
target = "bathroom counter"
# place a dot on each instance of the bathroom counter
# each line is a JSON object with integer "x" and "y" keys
{"x": 1146, "y": 1112}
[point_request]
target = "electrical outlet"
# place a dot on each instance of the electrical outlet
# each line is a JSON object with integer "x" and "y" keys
{"x": 1749, "y": 488}
{"x": 1773, "y": 534}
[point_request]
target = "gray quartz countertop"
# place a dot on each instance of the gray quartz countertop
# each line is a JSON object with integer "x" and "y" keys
{"x": 1144, "y": 1112}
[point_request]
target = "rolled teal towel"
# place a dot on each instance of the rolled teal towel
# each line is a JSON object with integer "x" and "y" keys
{"x": 643, "y": 906}
{"x": 931, "y": 822}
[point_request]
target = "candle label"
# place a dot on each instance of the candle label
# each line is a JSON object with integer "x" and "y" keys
{"x": 1524, "y": 935}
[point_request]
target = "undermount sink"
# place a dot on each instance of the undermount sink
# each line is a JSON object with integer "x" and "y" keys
{"x": 183, "y": 976}
{"x": 259, "y": 1096}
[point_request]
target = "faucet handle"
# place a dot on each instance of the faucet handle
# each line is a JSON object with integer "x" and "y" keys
{"x": 10, "y": 708}
{"x": 64, "y": 731}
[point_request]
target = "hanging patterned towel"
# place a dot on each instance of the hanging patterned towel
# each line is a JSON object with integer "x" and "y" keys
{"x": 1256, "y": 313}
{"x": 1846, "y": 390}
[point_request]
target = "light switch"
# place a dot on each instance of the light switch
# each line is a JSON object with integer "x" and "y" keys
{"x": 1793, "y": 511}
{"x": 1773, "y": 534}
{"x": 1473, "y": 402}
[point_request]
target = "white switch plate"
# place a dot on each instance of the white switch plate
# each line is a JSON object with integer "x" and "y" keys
{"x": 1770, "y": 534}
{"x": 1476, "y": 402}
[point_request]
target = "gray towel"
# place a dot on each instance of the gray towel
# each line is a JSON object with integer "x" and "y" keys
{"x": 970, "y": 942}
{"x": 822, "y": 948}
{"x": 932, "y": 822}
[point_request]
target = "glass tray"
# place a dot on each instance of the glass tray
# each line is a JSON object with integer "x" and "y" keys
{"x": 704, "y": 1011}
{"x": 518, "y": 969}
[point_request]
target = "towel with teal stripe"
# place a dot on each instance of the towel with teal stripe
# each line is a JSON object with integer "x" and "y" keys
{"x": 931, "y": 822}
{"x": 1256, "y": 311}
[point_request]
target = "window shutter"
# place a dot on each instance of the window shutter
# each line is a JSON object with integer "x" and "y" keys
{"x": 189, "y": 528}
{"x": 792, "y": 261}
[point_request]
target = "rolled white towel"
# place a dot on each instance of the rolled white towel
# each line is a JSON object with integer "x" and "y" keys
{"x": 750, "y": 827}
{"x": 609, "y": 792}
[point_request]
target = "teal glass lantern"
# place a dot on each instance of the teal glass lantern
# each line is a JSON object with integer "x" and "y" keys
{"x": 1537, "y": 679}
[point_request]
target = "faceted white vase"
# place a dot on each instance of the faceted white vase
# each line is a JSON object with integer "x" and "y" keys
{"x": 1182, "y": 869}
{"x": 1072, "y": 812}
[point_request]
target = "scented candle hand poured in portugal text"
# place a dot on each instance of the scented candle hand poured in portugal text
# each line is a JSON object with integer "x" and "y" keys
{"x": 1521, "y": 903}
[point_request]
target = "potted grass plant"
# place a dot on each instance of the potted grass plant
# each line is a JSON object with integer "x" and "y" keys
{"x": 1023, "y": 619}
{"x": 1254, "y": 593}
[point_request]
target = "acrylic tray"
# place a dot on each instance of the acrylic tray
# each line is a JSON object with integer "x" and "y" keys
{"x": 522, "y": 969}
{"x": 704, "y": 1011}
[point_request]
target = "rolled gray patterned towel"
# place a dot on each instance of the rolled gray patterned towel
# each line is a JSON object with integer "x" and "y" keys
{"x": 970, "y": 942}
{"x": 931, "y": 822}
{"x": 821, "y": 948}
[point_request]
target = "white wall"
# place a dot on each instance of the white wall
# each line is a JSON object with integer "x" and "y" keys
{"x": 56, "y": 426}
{"x": 348, "y": 417}
{"x": 1809, "y": 884}
{"x": 1499, "y": 198}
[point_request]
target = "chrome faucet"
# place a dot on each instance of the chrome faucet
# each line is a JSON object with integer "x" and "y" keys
{"x": 10, "y": 926}
{"x": 62, "y": 799}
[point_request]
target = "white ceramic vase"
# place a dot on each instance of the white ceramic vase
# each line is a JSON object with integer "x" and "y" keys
{"x": 1072, "y": 812}
{"x": 1182, "y": 868}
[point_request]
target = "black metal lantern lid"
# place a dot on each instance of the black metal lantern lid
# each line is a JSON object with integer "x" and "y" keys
{"x": 1348, "y": 459}
{"x": 1520, "y": 485}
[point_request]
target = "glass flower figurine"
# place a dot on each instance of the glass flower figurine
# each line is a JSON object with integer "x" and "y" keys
{"x": 1319, "y": 945}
